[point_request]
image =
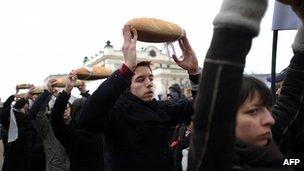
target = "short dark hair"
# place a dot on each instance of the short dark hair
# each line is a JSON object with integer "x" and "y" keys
{"x": 249, "y": 87}
{"x": 144, "y": 63}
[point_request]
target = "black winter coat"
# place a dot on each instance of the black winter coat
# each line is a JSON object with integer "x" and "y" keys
{"x": 84, "y": 149}
{"x": 136, "y": 132}
{"x": 213, "y": 141}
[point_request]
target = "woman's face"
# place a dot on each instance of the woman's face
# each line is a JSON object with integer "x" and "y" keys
{"x": 254, "y": 121}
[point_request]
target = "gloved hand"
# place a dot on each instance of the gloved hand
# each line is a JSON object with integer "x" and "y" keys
{"x": 241, "y": 14}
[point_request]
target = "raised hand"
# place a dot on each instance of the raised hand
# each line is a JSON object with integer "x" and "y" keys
{"x": 29, "y": 94}
{"x": 50, "y": 85}
{"x": 189, "y": 61}
{"x": 129, "y": 46}
{"x": 70, "y": 82}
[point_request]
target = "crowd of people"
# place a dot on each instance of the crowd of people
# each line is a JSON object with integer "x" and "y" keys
{"x": 231, "y": 123}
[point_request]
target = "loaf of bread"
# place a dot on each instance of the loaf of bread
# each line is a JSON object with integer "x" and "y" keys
{"x": 61, "y": 82}
{"x": 24, "y": 86}
{"x": 37, "y": 90}
{"x": 20, "y": 96}
{"x": 156, "y": 30}
{"x": 93, "y": 73}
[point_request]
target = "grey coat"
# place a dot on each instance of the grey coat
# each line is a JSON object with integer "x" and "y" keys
{"x": 56, "y": 157}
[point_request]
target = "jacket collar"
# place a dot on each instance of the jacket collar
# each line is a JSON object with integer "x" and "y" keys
{"x": 268, "y": 155}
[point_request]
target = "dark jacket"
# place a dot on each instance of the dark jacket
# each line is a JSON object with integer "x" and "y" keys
{"x": 36, "y": 153}
{"x": 84, "y": 149}
{"x": 289, "y": 111}
{"x": 250, "y": 158}
{"x": 4, "y": 119}
{"x": 212, "y": 143}
{"x": 16, "y": 157}
{"x": 136, "y": 132}
{"x": 56, "y": 157}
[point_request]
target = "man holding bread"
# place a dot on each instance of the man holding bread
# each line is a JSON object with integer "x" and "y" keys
{"x": 135, "y": 125}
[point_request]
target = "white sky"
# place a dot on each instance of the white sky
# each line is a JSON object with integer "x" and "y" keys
{"x": 43, "y": 37}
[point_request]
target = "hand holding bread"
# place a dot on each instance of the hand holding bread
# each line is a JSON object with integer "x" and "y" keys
{"x": 70, "y": 82}
{"x": 129, "y": 47}
{"x": 189, "y": 60}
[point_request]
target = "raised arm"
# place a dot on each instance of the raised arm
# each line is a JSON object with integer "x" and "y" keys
{"x": 212, "y": 138}
{"x": 5, "y": 112}
{"x": 39, "y": 103}
{"x": 288, "y": 110}
{"x": 57, "y": 120}
{"x": 38, "y": 110}
{"x": 95, "y": 111}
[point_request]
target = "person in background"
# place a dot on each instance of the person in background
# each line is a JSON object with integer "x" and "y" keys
{"x": 14, "y": 120}
{"x": 56, "y": 157}
{"x": 279, "y": 78}
{"x": 124, "y": 109}
{"x": 84, "y": 149}
{"x": 176, "y": 92}
{"x": 235, "y": 126}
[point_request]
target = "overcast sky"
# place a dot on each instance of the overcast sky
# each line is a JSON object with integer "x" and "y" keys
{"x": 43, "y": 37}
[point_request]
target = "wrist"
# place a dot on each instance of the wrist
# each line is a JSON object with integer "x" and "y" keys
{"x": 130, "y": 66}
{"x": 68, "y": 90}
{"x": 194, "y": 71}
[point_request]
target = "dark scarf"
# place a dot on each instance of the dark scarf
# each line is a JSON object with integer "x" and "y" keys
{"x": 151, "y": 104}
{"x": 248, "y": 157}
{"x": 143, "y": 110}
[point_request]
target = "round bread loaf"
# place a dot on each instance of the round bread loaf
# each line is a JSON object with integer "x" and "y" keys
{"x": 156, "y": 30}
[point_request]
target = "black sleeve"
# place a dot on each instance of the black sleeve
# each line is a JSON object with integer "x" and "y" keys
{"x": 57, "y": 121}
{"x": 85, "y": 94}
{"x": 39, "y": 103}
{"x": 180, "y": 111}
{"x": 214, "y": 122}
{"x": 5, "y": 112}
{"x": 97, "y": 107}
{"x": 289, "y": 108}
{"x": 195, "y": 80}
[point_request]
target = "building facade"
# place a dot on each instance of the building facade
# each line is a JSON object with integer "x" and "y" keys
{"x": 166, "y": 71}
